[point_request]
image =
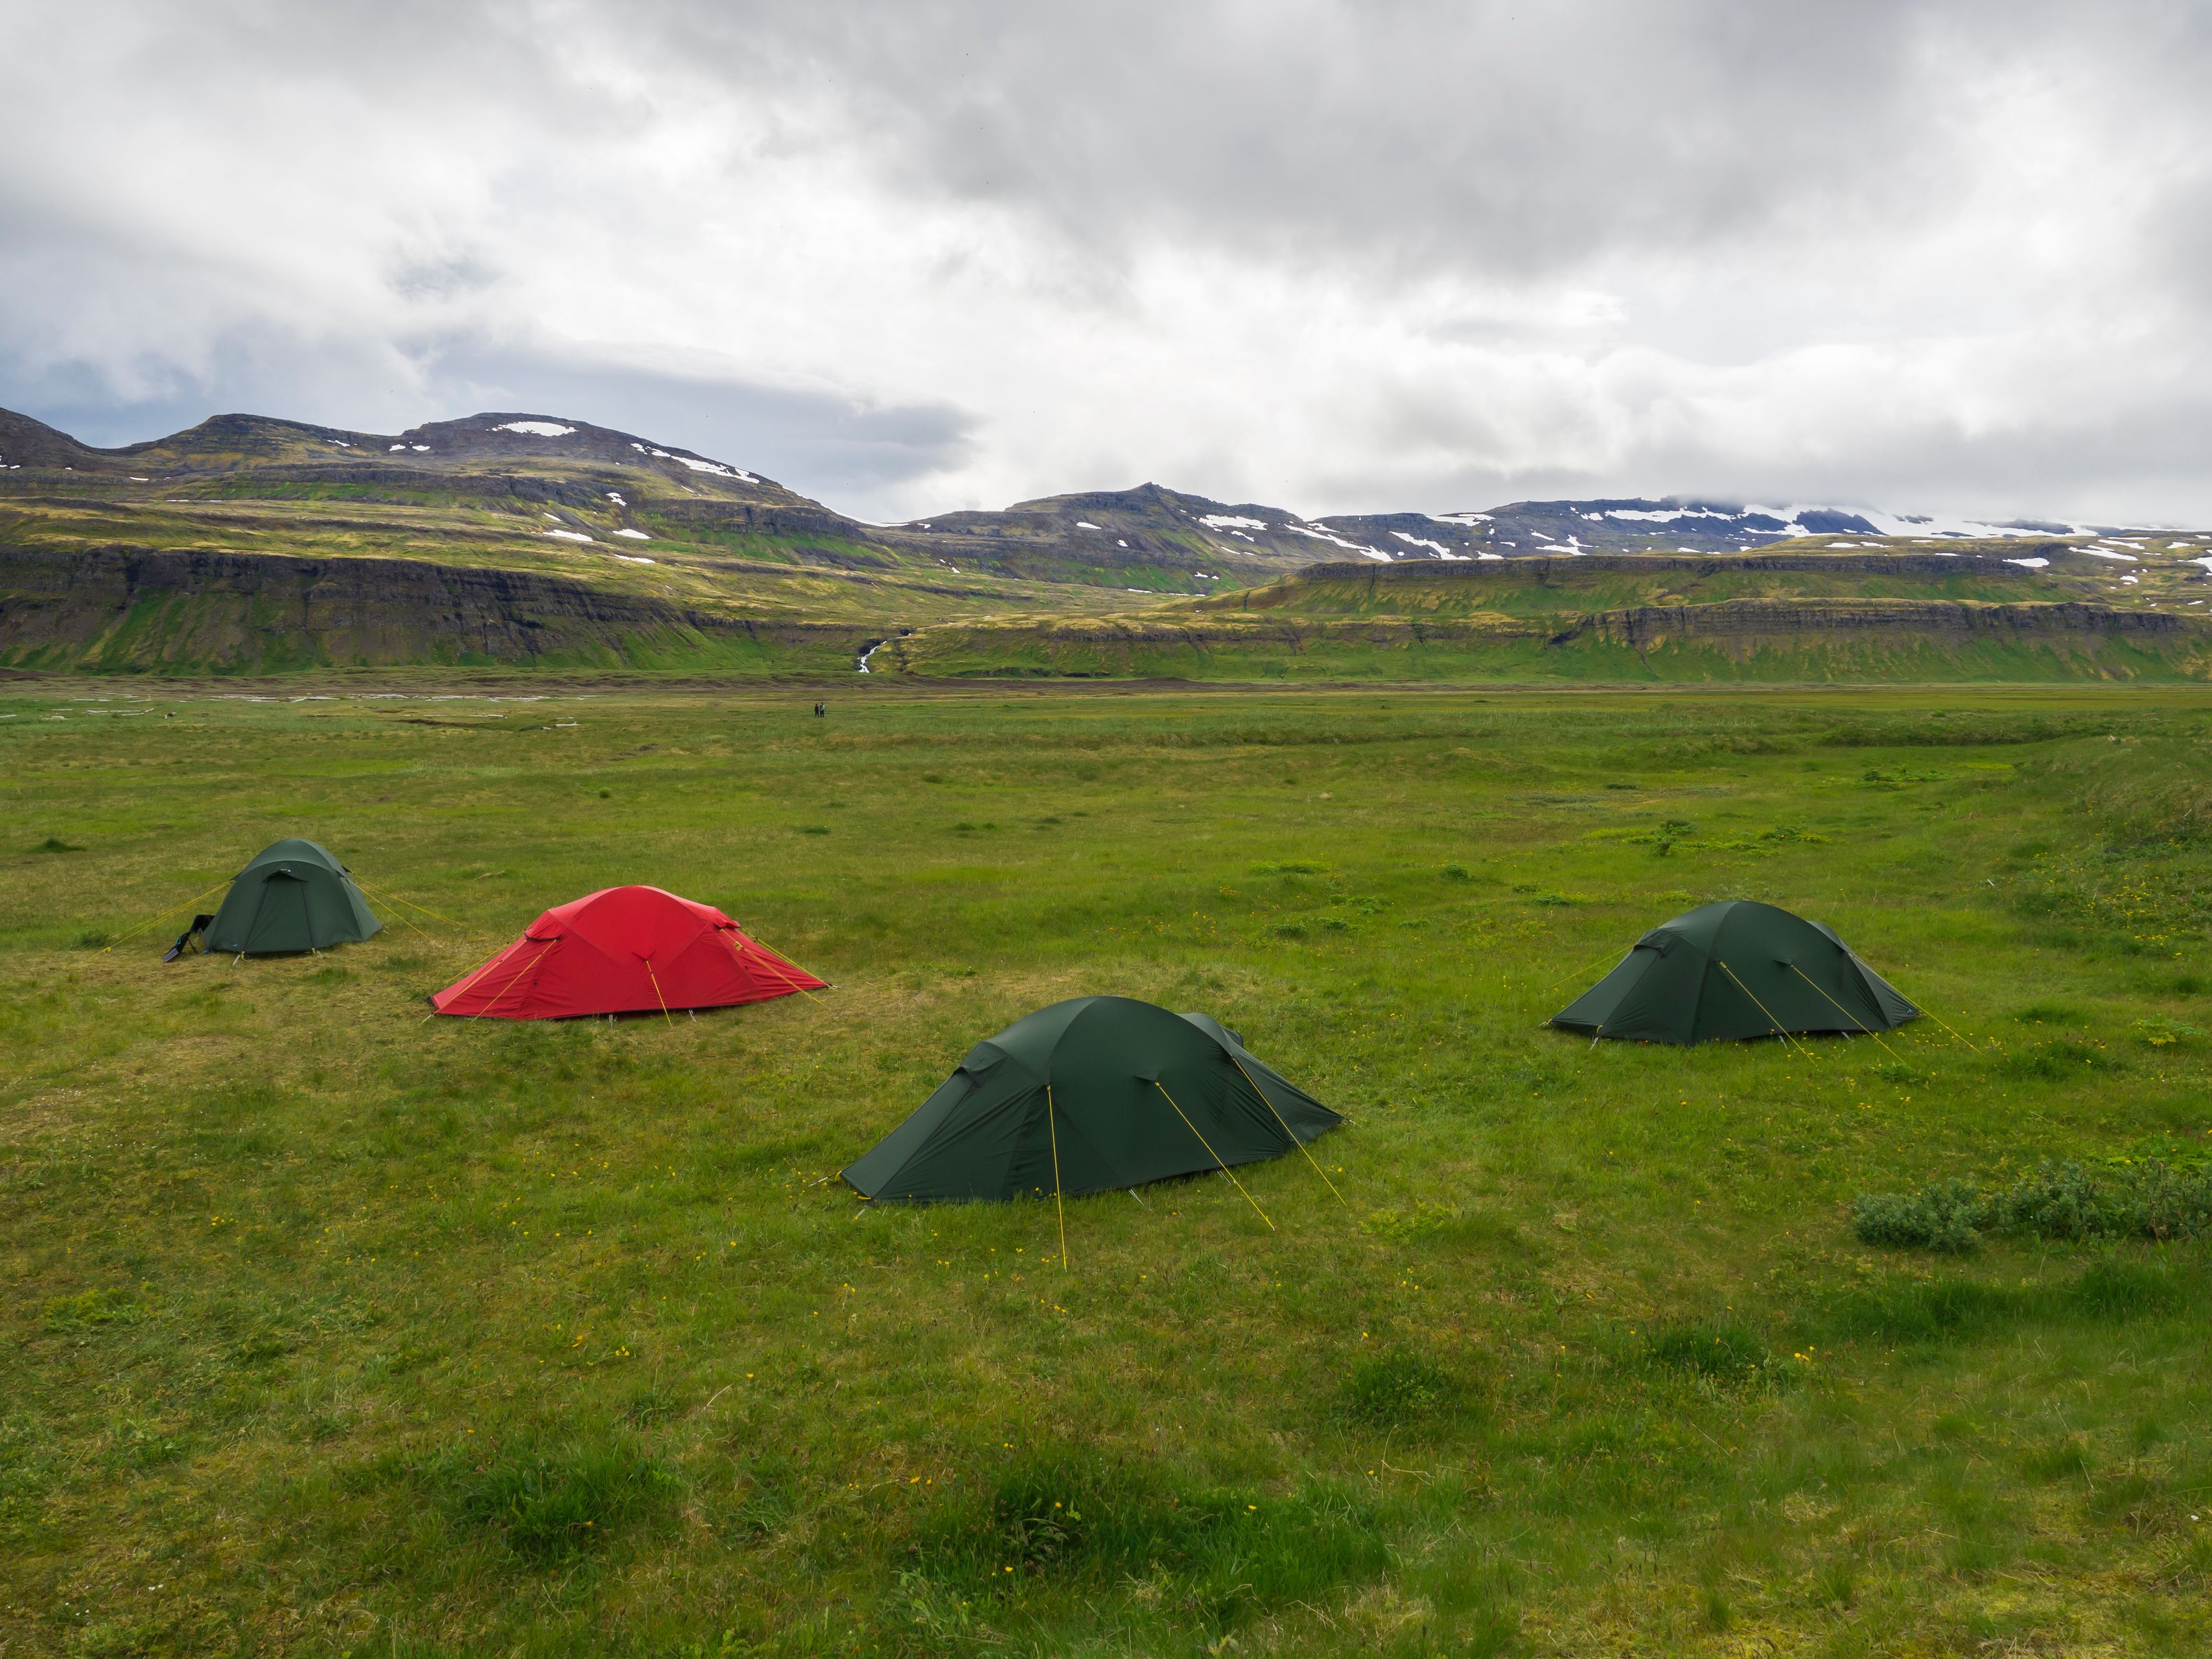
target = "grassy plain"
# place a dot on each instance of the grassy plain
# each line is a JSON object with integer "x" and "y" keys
{"x": 328, "y": 1330}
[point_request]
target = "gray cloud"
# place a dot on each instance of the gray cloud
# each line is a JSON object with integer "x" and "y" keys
{"x": 912, "y": 254}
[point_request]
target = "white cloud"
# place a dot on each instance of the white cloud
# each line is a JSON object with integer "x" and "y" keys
{"x": 1940, "y": 258}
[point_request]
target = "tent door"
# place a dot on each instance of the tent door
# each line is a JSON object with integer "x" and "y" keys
{"x": 280, "y": 921}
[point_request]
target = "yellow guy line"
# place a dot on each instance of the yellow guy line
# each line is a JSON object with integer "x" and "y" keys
{"x": 394, "y": 898}
{"x": 1840, "y": 1009}
{"x": 1054, "y": 1129}
{"x": 1971, "y": 1048}
{"x": 1215, "y": 1156}
{"x": 1289, "y": 1130}
{"x": 468, "y": 983}
{"x": 402, "y": 921}
{"x": 772, "y": 962}
{"x": 663, "y": 1000}
{"x": 170, "y": 911}
{"x": 1761, "y": 1007}
{"x": 518, "y": 973}
{"x": 1585, "y": 968}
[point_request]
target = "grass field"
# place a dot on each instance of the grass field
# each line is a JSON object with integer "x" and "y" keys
{"x": 329, "y": 1330}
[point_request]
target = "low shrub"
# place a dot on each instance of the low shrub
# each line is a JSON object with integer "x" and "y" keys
{"x": 2151, "y": 1200}
{"x": 1945, "y": 1218}
{"x": 2148, "y": 1198}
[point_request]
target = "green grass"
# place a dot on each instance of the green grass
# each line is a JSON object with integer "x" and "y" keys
{"x": 329, "y": 1330}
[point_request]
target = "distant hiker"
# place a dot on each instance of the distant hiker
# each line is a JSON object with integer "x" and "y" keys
{"x": 821, "y": 709}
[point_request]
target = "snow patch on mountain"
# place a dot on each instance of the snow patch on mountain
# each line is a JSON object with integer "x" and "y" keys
{"x": 715, "y": 467}
{"x": 1436, "y": 548}
{"x": 1322, "y": 533}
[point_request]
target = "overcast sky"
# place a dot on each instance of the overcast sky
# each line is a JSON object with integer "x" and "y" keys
{"x": 921, "y": 254}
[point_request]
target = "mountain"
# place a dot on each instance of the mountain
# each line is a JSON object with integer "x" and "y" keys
{"x": 1175, "y": 528}
{"x": 499, "y": 487}
{"x": 1214, "y": 541}
{"x": 251, "y": 544}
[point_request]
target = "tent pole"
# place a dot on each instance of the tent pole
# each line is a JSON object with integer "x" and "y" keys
{"x": 1215, "y": 1156}
{"x": 1289, "y": 1130}
{"x": 1053, "y": 1129}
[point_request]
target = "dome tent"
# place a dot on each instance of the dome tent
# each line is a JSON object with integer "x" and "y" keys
{"x": 1086, "y": 1095}
{"x": 1732, "y": 970}
{"x": 294, "y": 896}
{"x": 624, "y": 950}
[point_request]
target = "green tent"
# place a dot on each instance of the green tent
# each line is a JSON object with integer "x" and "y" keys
{"x": 294, "y": 896}
{"x": 1736, "y": 969}
{"x": 1085, "y": 1095}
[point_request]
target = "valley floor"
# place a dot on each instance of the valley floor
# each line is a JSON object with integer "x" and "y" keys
{"x": 328, "y": 1329}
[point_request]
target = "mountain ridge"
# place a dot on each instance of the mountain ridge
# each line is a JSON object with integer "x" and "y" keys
{"x": 531, "y": 539}
{"x": 1167, "y": 521}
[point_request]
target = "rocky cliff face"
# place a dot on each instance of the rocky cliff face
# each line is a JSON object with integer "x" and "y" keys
{"x": 1647, "y": 627}
{"x": 125, "y": 608}
{"x": 1381, "y": 583}
{"x": 1788, "y": 639}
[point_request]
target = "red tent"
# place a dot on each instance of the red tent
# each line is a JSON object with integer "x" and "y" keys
{"x": 624, "y": 950}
